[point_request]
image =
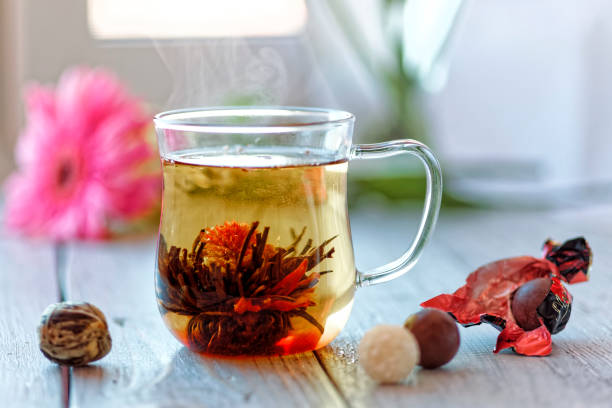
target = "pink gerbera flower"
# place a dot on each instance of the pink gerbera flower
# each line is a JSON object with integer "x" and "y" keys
{"x": 80, "y": 159}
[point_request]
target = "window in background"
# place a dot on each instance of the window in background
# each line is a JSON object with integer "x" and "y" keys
{"x": 426, "y": 32}
{"x": 162, "y": 19}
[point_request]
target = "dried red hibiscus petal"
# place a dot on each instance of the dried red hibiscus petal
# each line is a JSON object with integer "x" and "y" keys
{"x": 487, "y": 295}
{"x": 572, "y": 258}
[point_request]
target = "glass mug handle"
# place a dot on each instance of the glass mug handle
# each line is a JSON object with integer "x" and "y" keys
{"x": 433, "y": 198}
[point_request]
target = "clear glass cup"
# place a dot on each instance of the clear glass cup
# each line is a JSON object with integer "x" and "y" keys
{"x": 254, "y": 252}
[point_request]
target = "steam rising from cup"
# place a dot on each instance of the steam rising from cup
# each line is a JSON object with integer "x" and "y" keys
{"x": 224, "y": 72}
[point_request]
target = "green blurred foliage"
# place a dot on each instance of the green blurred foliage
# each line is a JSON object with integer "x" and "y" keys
{"x": 393, "y": 189}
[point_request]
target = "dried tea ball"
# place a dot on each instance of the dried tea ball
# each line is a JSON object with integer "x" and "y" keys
{"x": 73, "y": 333}
{"x": 545, "y": 299}
{"x": 437, "y": 335}
{"x": 388, "y": 353}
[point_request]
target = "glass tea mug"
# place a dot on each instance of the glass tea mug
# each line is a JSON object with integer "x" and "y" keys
{"x": 254, "y": 253}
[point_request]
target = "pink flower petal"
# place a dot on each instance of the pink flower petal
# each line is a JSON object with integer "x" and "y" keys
{"x": 81, "y": 158}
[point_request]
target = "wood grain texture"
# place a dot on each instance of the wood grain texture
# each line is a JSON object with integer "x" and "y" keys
{"x": 579, "y": 371}
{"x": 148, "y": 367}
{"x": 27, "y": 279}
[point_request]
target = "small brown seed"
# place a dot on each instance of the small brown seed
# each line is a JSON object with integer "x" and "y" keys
{"x": 526, "y": 300}
{"x": 437, "y": 335}
{"x": 73, "y": 333}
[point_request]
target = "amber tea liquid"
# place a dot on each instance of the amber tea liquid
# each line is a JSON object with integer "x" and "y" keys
{"x": 255, "y": 254}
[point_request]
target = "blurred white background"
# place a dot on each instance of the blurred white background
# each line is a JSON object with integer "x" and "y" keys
{"x": 529, "y": 90}
{"x": 520, "y": 101}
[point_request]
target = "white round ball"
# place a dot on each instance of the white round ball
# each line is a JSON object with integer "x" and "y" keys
{"x": 388, "y": 353}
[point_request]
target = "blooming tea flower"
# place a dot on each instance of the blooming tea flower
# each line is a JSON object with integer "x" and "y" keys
{"x": 80, "y": 159}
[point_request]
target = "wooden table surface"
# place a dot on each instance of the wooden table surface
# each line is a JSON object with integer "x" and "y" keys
{"x": 148, "y": 368}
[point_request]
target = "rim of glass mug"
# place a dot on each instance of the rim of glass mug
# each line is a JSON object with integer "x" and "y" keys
{"x": 194, "y": 119}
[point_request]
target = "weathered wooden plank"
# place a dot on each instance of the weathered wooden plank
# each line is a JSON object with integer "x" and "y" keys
{"x": 147, "y": 366}
{"x": 581, "y": 364}
{"x": 578, "y": 373}
{"x": 27, "y": 279}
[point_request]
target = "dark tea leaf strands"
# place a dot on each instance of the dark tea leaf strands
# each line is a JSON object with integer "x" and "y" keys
{"x": 240, "y": 303}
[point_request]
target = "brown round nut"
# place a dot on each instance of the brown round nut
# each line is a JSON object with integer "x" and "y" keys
{"x": 526, "y": 300}
{"x": 73, "y": 334}
{"x": 437, "y": 335}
